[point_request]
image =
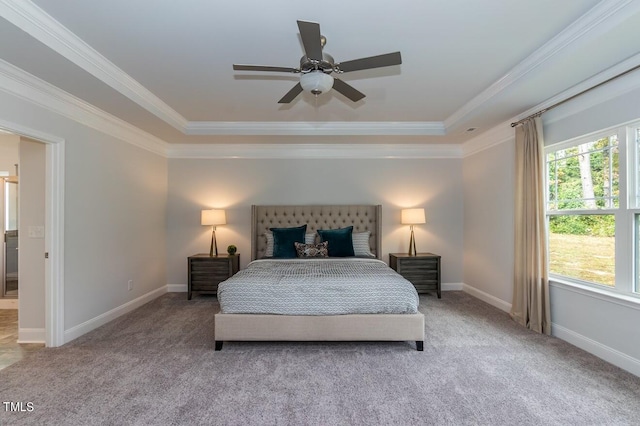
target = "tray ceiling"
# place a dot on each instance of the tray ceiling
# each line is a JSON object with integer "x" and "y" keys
{"x": 165, "y": 66}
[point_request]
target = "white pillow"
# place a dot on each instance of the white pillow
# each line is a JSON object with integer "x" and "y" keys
{"x": 361, "y": 244}
{"x": 308, "y": 239}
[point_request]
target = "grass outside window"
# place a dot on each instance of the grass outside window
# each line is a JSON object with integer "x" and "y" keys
{"x": 584, "y": 257}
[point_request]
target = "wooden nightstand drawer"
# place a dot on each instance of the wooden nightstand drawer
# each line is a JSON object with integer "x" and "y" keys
{"x": 199, "y": 267}
{"x": 431, "y": 279}
{"x": 418, "y": 265}
{"x": 423, "y": 270}
{"x": 206, "y": 272}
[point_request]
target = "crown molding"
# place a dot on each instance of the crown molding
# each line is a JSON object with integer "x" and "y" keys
{"x": 18, "y": 82}
{"x": 504, "y": 132}
{"x": 30, "y": 18}
{"x": 614, "y": 88}
{"x": 331, "y": 128}
{"x": 599, "y": 19}
{"x": 314, "y": 151}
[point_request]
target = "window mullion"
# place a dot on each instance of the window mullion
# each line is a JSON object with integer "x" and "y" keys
{"x": 624, "y": 219}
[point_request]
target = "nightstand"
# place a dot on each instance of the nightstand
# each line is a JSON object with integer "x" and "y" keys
{"x": 206, "y": 272}
{"x": 423, "y": 270}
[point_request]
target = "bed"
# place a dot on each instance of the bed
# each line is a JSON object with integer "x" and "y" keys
{"x": 239, "y": 325}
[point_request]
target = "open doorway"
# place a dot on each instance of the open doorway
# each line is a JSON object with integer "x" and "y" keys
{"x": 42, "y": 235}
{"x": 13, "y": 148}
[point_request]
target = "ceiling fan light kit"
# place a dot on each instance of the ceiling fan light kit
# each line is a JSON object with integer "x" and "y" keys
{"x": 316, "y": 82}
{"x": 316, "y": 67}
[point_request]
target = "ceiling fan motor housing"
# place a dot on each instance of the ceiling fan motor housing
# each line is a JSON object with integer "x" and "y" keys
{"x": 325, "y": 65}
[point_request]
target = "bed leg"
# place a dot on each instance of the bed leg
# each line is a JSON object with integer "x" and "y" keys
{"x": 420, "y": 345}
{"x": 218, "y": 345}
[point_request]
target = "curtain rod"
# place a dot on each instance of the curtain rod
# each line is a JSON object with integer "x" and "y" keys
{"x": 542, "y": 111}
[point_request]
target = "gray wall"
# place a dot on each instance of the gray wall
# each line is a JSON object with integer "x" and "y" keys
{"x": 236, "y": 184}
{"x": 607, "y": 106}
{"x": 488, "y": 221}
{"x": 115, "y": 207}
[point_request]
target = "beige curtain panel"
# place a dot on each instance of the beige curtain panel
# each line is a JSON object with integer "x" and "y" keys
{"x": 530, "y": 306}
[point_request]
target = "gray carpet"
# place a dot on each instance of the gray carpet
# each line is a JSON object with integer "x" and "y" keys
{"x": 156, "y": 366}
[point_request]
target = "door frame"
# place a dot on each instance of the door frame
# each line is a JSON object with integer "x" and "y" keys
{"x": 54, "y": 229}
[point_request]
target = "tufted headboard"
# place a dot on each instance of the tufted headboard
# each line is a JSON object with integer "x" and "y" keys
{"x": 362, "y": 217}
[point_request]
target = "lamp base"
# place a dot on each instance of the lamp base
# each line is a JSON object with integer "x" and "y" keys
{"x": 214, "y": 244}
{"x": 412, "y": 244}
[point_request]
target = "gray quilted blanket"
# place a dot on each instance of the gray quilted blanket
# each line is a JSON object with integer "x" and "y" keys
{"x": 317, "y": 287}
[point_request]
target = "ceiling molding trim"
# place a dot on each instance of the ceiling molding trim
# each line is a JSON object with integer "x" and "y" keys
{"x": 495, "y": 136}
{"x": 598, "y": 20}
{"x": 332, "y": 128}
{"x": 602, "y": 94}
{"x": 18, "y": 82}
{"x": 19, "y": 130}
{"x": 34, "y": 21}
{"x": 504, "y": 132}
{"x": 313, "y": 151}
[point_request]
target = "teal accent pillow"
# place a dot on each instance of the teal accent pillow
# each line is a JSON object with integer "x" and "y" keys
{"x": 340, "y": 241}
{"x": 284, "y": 239}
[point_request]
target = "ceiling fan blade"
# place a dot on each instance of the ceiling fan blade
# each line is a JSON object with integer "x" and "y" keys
{"x": 264, "y": 68}
{"x": 291, "y": 94}
{"x": 347, "y": 90}
{"x": 311, "y": 39}
{"x": 371, "y": 62}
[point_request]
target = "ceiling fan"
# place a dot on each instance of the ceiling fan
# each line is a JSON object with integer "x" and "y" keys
{"x": 316, "y": 67}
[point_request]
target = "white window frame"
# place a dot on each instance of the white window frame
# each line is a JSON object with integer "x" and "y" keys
{"x": 628, "y": 207}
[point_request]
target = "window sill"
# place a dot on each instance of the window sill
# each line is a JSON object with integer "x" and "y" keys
{"x": 608, "y": 296}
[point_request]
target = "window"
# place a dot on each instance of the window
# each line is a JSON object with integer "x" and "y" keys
{"x": 593, "y": 226}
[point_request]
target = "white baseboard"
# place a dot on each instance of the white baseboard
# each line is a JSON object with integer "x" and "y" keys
{"x": 8, "y": 303}
{"x": 176, "y": 288}
{"x": 93, "y": 323}
{"x": 611, "y": 355}
{"x": 452, "y": 286}
{"x": 31, "y": 335}
{"x": 486, "y": 297}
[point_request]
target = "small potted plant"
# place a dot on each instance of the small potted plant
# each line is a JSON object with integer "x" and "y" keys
{"x": 232, "y": 250}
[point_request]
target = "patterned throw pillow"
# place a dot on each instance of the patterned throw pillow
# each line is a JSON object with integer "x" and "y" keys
{"x": 361, "y": 244}
{"x": 312, "y": 250}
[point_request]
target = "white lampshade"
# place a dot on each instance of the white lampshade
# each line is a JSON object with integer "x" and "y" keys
{"x": 412, "y": 216}
{"x": 316, "y": 82}
{"x": 213, "y": 217}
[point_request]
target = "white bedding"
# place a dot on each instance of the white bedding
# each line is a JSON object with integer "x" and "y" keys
{"x": 333, "y": 286}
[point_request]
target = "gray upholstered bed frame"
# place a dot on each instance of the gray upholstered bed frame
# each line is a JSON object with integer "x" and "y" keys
{"x": 373, "y": 327}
